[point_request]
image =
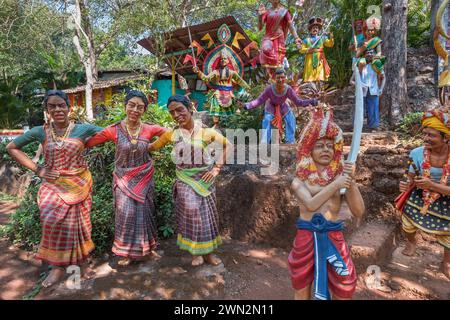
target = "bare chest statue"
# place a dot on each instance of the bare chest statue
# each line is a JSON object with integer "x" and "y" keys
{"x": 330, "y": 209}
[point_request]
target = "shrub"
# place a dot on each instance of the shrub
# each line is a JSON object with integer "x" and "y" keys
{"x": 30, "y": 150}
{"x": 24, "y": 227}
{"x": 410, "y": 124}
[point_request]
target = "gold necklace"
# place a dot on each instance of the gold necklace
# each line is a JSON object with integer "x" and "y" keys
{"x": 59, "y": 140}
{"x": 134, "y": 138}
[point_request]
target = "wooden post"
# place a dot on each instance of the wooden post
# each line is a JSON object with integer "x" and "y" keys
{"x": 173, "y": 75}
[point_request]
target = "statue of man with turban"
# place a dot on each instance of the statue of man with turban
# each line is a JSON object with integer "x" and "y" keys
{"x": 427, "y": 206}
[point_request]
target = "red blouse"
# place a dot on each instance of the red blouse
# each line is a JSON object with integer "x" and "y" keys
{"x": 110, "y": 134}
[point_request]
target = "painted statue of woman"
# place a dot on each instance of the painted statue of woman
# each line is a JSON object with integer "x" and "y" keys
{"x": 223, "y": 78}
{"x": 277, "y": 21}
{"x": 65, "y": 194}
{"x": 194, "y": 192}
{"x": 133, "y": 189}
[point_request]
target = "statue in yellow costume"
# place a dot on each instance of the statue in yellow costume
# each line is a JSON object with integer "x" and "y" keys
{"x": 316, "y": 66}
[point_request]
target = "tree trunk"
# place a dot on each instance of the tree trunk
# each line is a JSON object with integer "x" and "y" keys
{"x": 88, "y": 92}
{"x": 89, "y": 60}
{"x": 433, "y": 11}
{"x": 395, "y": 99}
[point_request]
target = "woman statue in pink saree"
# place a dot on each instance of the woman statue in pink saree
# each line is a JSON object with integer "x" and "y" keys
{"x": 277, "y": 21}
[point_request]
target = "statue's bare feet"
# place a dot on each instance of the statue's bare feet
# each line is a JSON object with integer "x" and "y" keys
{"x": 154, "y": 255}
{"x": 197, "y": 261}
{"x": 212, "y": 259}
{"x": 446, "y": 269}
{"x": 124, "y": 262}
{"x": 410, "y": 249}
{"x": 53, "y": 277}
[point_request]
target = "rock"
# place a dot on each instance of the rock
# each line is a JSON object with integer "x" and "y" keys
{"x": 207, "y": 271}
{"x": 148, "y": 283}
{"x": 420, "y": 79}
{"x": 384, "y": 288}
{"x": 386, "y": 185}
{"x": 172, "y": 271}
{"x": 372, "y": 244}
{"x": 426, "y": 69}
{"x": 264, "y": 209}
{"x": 381, "y": 150}
{"x": 104, "y": 270}
{"x": 12, "y": 181}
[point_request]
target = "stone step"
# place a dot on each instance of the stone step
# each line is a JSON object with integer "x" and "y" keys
{"x": 372, "y": 244}
{"x": 345, "y": 125}
{"x": 382, "y": 138}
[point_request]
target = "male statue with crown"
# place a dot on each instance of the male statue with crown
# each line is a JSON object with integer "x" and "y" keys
{"x": 319, "y": 252}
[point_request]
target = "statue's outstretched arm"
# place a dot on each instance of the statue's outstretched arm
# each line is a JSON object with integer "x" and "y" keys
{"x": 208, "y": 77}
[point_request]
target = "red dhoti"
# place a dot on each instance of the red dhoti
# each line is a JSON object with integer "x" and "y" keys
{"x": 301, "y": 264}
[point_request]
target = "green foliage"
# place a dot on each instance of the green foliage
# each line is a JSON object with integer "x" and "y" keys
{"x": 30, "y": 150}
{"x": 339, "y": 57}
{"x": 419, "y": 23}
{"x": 4, "y": 197}
{"x": 102, "y": 215}
{"x": 36, "y": 288}
{"x": 247, "y": 119}
{"x": 410, "y": 124}
{"x": 24, "y": 227}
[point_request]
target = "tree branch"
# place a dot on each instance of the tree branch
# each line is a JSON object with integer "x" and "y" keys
{"x": 107, "y": 41}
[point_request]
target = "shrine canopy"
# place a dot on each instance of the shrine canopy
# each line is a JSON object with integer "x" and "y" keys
{"x": 205, "y": 38}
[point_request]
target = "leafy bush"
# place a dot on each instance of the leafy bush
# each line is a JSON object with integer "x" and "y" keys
{"x": 30, "y": 150}
{"x": 24, "y": 227}
{"x": 410, "y": 124}
{"x": 419, "y": 23}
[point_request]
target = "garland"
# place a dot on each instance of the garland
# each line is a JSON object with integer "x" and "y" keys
{"x": 430, "y": 197}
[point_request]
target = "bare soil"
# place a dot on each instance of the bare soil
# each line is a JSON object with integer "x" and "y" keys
{"x": 249, "y": 271}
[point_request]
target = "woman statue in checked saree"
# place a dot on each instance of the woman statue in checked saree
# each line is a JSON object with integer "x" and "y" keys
{"x": 64, "y": 196}
{"x": 135, "y": 227}
{"x": 194, "y": 191}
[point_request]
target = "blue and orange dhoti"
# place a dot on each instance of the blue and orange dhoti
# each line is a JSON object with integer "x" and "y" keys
{"x": 320, "y": 254}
